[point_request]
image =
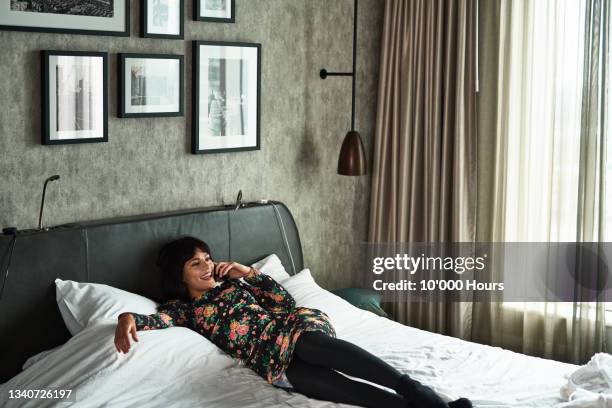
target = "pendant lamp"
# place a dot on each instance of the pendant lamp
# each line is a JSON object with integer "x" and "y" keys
{"x": 352, "y": 159}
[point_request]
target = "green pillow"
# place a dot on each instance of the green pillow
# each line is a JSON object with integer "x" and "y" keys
{"x": 362, "y": 298}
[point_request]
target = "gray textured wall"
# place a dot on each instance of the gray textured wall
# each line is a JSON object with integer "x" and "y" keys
{"x": 146, "y": 165}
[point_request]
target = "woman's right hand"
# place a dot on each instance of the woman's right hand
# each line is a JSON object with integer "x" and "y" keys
{"x": 125, "y": 327}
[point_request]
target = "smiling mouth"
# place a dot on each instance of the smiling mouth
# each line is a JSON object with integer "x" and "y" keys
{"x": 206, "y": 276}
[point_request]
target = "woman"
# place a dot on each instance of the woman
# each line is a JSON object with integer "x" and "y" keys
{"x": 258, "y": 322}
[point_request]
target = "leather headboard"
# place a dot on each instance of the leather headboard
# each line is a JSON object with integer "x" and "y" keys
{"x": 121, "y": 253}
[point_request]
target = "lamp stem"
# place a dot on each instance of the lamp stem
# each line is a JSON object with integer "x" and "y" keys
{"x": 356, "y": 7}
{"x": 42, "y": 202}
{"x": 42, "y": 205}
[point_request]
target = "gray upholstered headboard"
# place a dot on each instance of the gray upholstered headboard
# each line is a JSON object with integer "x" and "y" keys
{"x": 122, "y": 253}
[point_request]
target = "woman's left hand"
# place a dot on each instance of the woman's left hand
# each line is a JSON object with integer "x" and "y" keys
{"x": 232, "y": 270}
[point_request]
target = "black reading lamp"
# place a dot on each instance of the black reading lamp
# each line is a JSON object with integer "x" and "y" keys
{"x": 42, "y": 202}
{"x": 352, "y": 160}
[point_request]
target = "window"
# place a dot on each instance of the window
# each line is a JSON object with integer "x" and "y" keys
{"x": 540, "y": 116}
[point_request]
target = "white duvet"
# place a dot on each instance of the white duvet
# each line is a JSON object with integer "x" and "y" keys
{"x": 177, "y": 367}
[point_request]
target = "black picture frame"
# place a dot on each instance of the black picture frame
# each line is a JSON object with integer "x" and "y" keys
{"x": 47, "y": 139}
{"x": 10, "y": 20}
{"x": 196, "y": 148}
{"x": 197, "y": 11}
{"x": 122, "y": 111}
{"x": 144, "y": 26}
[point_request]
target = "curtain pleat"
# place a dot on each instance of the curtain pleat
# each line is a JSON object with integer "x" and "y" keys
{"x": 423, "y": 178}
{"x": 587, "y": 331}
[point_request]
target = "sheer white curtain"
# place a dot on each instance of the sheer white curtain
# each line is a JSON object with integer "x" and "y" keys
{"x": 540, "y": 107}
{"x": 548, "y": 179}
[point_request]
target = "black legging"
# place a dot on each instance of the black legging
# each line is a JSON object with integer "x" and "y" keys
{"x": 312, "y": 372}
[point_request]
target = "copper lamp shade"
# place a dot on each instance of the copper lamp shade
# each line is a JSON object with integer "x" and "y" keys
{"x": 352, "y": 161}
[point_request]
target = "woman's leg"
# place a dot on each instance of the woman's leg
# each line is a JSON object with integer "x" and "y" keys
{"x": 317, "y": 348}
{"x": 326, "y": 384}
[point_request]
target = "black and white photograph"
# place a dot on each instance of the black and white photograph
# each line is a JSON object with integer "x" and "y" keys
{"x": 74, "y": 97}
{"x": 150, "y": 85}
{"x": 226, "y": 96}
{"x": 216, "y": 4}
{"x": 222, "y": 11}
{"x": 97, "y": 8}
{"x": 227, "y": 105}
{"x": 162, "y": 19}
{"x": 93, "y": 17}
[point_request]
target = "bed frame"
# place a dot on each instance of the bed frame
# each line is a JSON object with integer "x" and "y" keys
{"x": 121, "y": 252}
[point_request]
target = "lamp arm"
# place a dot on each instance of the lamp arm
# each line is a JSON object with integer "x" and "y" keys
{"x": 13, "y": 232}
{"x": 42, "y": 204}
{"x": 325, "y": 73}
{"x": 356, "y": 8}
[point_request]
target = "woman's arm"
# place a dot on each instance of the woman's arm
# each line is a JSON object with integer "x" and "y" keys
{"x": 169, "y": 315}
{"x": 269, "y": 293}
{"x": 155, "y": 321}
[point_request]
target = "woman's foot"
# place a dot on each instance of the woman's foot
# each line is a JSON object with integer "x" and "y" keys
{"x": 419, "y": 395}
{"x": 460, "y": 403}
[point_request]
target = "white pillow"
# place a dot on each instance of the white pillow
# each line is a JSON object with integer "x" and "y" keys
{"x": 271, "y": 265}
{"x": 307, "y": 293}
{"x": 82, "y": 304}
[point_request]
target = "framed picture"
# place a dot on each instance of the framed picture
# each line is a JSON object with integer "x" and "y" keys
{"x": 74, "y": 97}
{"x": 220, "y": 11}
{"x": 93, "y": 17}
{"x": 226, "y": 96}
{"x": 150, "y": 85}
{"x": 162, "y": 19}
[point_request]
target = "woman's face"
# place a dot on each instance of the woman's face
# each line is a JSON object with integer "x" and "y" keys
{"x": 198, "y": 273}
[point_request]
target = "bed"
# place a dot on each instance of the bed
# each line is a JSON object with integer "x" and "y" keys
{"x": 176, "y": 367}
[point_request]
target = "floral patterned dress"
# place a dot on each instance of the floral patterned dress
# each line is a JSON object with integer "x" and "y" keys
{"x": 256, "y": 322}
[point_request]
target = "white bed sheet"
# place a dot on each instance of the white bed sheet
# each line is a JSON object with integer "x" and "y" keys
{"x": 176, "y": 367}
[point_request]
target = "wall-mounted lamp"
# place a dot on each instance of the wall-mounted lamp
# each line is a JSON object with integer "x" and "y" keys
{"x": 42, "y": 202}
{"x": 352, "y": 160}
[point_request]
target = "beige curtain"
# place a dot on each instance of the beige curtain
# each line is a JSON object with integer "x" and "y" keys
{"x": 423, "y": 177}
{"x": 541, "y": 172}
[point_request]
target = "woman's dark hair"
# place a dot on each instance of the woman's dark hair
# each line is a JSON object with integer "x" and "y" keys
{"x": 171, "y": 259}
